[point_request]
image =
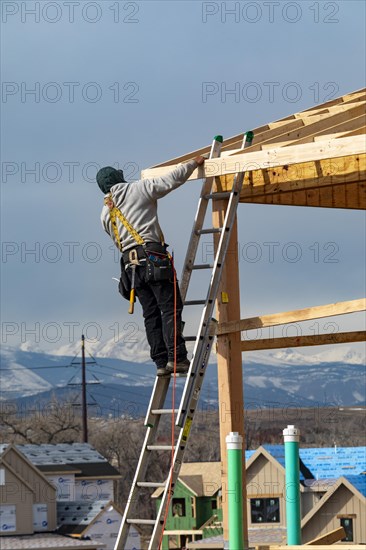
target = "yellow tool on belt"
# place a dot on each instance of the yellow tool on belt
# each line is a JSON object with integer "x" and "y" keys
{"x": 134, "y": 261}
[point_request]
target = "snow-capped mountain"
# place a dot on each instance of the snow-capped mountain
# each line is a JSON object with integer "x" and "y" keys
{"x": 284, "y": 377}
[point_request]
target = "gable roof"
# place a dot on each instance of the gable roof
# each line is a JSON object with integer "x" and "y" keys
{"x": 13, "y": 448}
{"x": 316, "y": 123}
{"x": 16, "y": 474}
{"x": 348, "y": 482}
{"x": 61, "y": 453}
{"x": 276, "y": 455}
{"x": 193, "y": 483}
{"x": 79, "y": 458}
{"x": 289, "y": 160}
{"x": 202, "y": 478}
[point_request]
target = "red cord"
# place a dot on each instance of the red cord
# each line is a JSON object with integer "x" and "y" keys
{"x": 173, "y": 408}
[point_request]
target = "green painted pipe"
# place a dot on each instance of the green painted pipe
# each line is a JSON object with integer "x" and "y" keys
{"x": 293, "y": 518}
{"x": 234, "y": 445}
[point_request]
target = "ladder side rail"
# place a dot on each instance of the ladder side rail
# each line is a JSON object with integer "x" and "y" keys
{"x": 190, "y": 384}
{"x": 194, "y": 239}
{"x": 177, "y": 462}
{"x": 157, "y": 401}
{"x": 198, "y": 222}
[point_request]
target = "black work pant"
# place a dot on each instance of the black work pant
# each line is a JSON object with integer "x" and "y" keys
{"x": 157, "y": 301}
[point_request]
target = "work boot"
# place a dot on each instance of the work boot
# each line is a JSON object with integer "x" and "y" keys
{"x": 181, "y": 368}
{"x": 163, "y": 371}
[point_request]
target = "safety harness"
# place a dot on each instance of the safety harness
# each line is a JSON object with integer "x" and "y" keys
{"x": 133, "y": 256}
{"x": 115, "y": 213}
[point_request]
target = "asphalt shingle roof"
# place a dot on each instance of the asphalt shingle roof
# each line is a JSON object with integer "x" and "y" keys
{"x": 68, "y": 456}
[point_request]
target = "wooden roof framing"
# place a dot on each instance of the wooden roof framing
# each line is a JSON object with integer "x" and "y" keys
{"x": 313, "y": 158}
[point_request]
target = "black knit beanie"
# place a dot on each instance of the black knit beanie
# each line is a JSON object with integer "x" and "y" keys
{"x": 107, "y": 177}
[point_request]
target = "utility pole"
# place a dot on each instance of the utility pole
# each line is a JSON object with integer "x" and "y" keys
{"x": 83, "y": 384}
{"x": 83, "y": 391}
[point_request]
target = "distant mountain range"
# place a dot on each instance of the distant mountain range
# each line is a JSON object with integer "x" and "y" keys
{"x": 120, "y": 382}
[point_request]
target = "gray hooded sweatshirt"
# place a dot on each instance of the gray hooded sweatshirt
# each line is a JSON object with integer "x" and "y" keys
{"x": 138, "y": 203}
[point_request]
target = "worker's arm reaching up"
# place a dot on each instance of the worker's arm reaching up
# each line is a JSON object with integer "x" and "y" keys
{"x": 157, "y": 188}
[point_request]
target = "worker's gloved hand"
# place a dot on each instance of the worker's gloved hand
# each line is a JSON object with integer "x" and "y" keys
{"x": 200, "y": 160}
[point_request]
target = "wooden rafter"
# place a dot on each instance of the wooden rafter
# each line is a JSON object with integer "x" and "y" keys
{"x": 313, "y": 121}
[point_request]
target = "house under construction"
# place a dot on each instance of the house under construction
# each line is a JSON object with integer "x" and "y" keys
{"x": 315, "y": 158}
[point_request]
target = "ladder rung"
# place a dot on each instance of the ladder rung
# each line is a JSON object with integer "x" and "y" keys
{"x": 223, "y": 195}
{"x": 163, "y": 411}
{"x": 159, "y": 447}
{"x": 141, "y": 521}
{"x": 202, "y": 266}
{"x": 194, "y": 302}
{"x": 152, "y": 484}
{"x": 190, "y": 338}
{"x": 208, "y": 231}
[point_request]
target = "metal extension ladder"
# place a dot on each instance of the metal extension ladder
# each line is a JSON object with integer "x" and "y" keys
{"x": 203, "y": 344}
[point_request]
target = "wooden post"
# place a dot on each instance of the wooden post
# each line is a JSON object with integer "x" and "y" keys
{"x": 229, "y": 362}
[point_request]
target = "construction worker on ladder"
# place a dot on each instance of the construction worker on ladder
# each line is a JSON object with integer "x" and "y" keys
{"x": 129, "y": 216}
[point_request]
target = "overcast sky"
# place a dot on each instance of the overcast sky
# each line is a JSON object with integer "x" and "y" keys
{"x": 88, "y": 84}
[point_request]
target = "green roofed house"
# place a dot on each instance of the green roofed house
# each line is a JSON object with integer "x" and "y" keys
{"x": 196, "y": 510}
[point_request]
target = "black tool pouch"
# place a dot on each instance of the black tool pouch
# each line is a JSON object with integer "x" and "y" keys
{"x": 159, "y": 267}
{"x": 124, "y": 285}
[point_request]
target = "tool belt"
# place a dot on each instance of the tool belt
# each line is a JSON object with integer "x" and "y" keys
{"x": 158, "y": 262}
{"x": 154, "y": 259}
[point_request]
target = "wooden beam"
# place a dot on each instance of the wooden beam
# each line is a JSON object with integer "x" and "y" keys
{"x": 359, "y": 128}
{"x": 261, "y": 186}
{"x": 330, "y": 538}
{"x": 302, "y": 341}
{"x": 336, "y": 196}
{"x": 296, "y": 316}
{"x": 313, "y": 126}
{"x": 229, "y": 362}
{"x": 357, "y": 95}
{"x": 248, "y": 162}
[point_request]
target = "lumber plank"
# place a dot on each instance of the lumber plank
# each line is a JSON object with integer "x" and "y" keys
{"x": 295, "y": 316}
{"x": 353, "y": 124}
{"x": 330, "y": 538}
{"x": 322, "y": 123}
{"x": 335, "y": 198}
{"x": 247, "y": 162}
{"x": 334, "y": 172}
{"x": 303, "y": 341}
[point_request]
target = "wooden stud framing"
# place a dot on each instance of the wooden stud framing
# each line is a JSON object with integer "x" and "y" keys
{"x": 229, "y": 363}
